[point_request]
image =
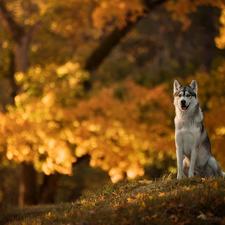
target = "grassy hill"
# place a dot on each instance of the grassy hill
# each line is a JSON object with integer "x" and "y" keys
{"x": 164, "y": 201}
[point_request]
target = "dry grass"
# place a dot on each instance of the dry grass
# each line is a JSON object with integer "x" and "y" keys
{"x": 164, "y": 201}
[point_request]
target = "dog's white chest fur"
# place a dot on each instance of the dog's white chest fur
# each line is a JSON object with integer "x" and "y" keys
{"x": 187, "y": 139}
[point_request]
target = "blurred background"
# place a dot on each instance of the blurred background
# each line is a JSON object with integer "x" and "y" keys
{"x": 86, "y": 91}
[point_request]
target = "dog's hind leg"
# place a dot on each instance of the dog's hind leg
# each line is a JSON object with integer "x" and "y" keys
{"x": 185, "y": 167}
{"x": 212, "y": 168}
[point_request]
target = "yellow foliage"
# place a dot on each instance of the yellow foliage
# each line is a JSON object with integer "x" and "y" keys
{"x": 181, "y": 8}
{"x": 107, "y": 10}
{"x": 52, "y": 127}
{"x": 220, "y": 41}
{"x": 119, "y": 135}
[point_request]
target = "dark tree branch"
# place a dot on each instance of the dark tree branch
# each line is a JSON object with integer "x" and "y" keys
{"x": 106, "y": 46}
{"x": 151, "y": 4}
{"x": 33, "y": 28}
{"x": 113, "y": 39}
{"x": 10, "y": 76}
{"x": 14, "y": 29}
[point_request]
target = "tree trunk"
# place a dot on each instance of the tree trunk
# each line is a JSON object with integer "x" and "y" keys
{"x": 27, "y": 190}
{"x": 47, "y": 191}
{"x": 21, "y": 48}
{"x": 21, "y": 41}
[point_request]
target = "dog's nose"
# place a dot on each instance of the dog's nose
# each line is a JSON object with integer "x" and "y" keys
{"x": 183, "y": 102}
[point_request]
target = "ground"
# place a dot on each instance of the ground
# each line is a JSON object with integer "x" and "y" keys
{"x": 163, "y": 201}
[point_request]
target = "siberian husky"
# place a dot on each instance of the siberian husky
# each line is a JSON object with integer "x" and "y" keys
{"x": 193, "y": 148}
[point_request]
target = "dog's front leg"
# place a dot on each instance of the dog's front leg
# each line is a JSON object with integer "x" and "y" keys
{"x": 192, "y": 162}
{"x": 179, "y": 163}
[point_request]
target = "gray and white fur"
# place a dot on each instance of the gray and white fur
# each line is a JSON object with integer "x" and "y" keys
{"x": 193, "y": 148}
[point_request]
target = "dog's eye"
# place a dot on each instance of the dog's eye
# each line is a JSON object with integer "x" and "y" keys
{"x": 179, "y": 95}
{"x": 188, "y": 95}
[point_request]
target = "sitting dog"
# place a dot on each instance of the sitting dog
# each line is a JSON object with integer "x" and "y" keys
{"x": 193, "y": 148}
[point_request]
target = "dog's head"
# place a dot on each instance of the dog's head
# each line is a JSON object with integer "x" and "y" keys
{"x": 185, "y": 97}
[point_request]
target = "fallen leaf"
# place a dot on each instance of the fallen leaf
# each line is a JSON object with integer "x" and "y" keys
{"x": 92, "y": 212}
{"x": 129, "y": 200}
{"x": 148, "y": 217}
{"x": 143, "y": 204}
{"x": 161, "y": 194}
{"x": 219, "y": 201}
{"x": 186, "y": 221}
{"x": 152, "y": 196}
{"x": 167, "y": 181}
{"x": 140, "y": 196}
{"x": 202, "y": 201}
{"x": 209, "y": 214}
{"x": 163, "y": 204}
{"x": 154, "y": 216}
{"x": 145, "y": 181}
{"x": 202, "y": 216}
{"x": 100, "y": 198}
{"x": 215, "y": 184}
{"x": 115, "y": 192}
{"x": 186, "y": 188}
{"x": 174, "y": 218}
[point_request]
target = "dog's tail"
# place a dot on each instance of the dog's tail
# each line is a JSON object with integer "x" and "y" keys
{"x": 223, "y": 174}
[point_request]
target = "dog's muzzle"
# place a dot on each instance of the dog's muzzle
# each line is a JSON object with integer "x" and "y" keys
{"x": 183, "y": 105}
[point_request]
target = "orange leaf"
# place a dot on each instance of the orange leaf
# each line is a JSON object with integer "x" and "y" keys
{"x": 163, "y": 204}
{"x": 148, "y": 217}
{"x": 115, "y": 193}
{"x": 219, "y": 201}
{"x": 129, "y": 200}
{"x": 161, "y": 194}
{"x": 215, "y": 184}
{"x": 186, "y": 221}
{"x": 174, "y": 218}
{"x": 100, "y": 198}
{"x": 154, "y": 216}
{"x": 202, "y": 201}
{"x": 143, "y": 204}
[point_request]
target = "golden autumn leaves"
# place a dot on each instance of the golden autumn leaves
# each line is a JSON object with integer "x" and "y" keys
{"x": 55, "y": 122}
{"x": 124, "y": 10}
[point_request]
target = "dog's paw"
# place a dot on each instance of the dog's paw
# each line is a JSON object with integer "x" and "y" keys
{"x": 179, "y": 177}
{"x": 190, "y": 175}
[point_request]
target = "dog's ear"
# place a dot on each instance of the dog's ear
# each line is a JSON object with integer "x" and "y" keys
{"x": 176, "y": 86}
{"x": 194, "y": 86}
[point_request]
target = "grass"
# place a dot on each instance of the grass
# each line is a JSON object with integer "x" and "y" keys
{"x": 164, "y": 201}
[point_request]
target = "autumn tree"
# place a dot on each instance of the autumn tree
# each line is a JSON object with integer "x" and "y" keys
{"x": 29, "y": 12}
